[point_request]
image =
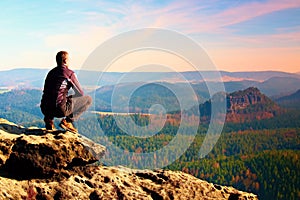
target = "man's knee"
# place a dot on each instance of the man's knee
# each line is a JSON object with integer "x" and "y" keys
{"x": 89, "y": 100}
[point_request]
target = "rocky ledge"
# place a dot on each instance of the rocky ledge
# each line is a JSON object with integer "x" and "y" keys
{"x": 36, "y": 164}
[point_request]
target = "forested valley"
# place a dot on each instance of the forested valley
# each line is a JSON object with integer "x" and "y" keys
{"x": 258, "y": 155}
{"x": 254, "y": 156}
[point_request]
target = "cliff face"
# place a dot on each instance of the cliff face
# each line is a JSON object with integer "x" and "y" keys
{"x": 242, "y": 99}
{"x": 243, "y": 106}
{"x": 36, "y": 164}
{"x": 34, "y": 153}
{"x": 249, "y": 104}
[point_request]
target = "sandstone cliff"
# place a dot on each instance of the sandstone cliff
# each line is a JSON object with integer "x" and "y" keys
{"x": 250, "y": 104}
{"x": 243, "y": 106}
{"x": 36, "y": 164}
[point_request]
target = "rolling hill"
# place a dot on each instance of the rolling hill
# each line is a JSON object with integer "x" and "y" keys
{"x": 272, "y": 83}
{"x": 290, "y": 101}
{"x": 279, "y": 86}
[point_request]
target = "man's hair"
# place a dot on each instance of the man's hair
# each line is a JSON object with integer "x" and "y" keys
{"x": 61, "y": 57}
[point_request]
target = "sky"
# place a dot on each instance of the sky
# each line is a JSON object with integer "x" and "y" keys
{"x": 237, "y": 35}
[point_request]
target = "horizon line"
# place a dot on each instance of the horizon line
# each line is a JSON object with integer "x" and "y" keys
{"x": 75, "y": 69}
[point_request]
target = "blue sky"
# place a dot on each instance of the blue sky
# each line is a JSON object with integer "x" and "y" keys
{"x": 237, "y": 35}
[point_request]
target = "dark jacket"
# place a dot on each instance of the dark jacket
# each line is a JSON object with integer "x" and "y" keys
{"x": 57, "y": 84}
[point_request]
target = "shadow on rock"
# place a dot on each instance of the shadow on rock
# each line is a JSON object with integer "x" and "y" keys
{"x": 18, "y": 130}
{"x": 28, "y": 153}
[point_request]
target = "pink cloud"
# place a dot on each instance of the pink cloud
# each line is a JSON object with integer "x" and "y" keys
{"x": 251, "y": 10}
{"x": 194, "y": 17}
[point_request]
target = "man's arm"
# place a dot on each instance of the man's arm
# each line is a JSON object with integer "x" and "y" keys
{"x": 76, "y": 86}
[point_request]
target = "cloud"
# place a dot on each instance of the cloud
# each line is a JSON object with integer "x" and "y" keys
{"x": 208, "y": 21}
{"x": 194, "y": 17}
{"x": 249, "y": 11}
{"x": 190, "y": 17}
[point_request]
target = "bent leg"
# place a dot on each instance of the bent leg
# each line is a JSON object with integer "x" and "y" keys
{"x": 48, "y": 118}
{"x": 79, "y": 105}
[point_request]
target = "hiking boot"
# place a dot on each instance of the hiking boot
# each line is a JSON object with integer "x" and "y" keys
{"x": 49, "y": 124}
{"x": 68, "y": 126}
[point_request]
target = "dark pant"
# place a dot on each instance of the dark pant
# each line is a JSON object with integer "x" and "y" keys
{"x": 72, "y": 109}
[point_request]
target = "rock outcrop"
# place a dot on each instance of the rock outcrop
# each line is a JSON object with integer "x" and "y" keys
{"x": 243, "y": 106}
{"x": 250, "y": 104}
{"x": 243, "y": 99}
{"x": 36, "y": 164}
{"x": 36, "y": 153}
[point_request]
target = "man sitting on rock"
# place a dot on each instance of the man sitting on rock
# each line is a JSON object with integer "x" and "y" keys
{"x": 55, "y": 100}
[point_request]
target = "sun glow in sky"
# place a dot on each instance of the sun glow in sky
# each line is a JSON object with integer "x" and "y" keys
{"x": 245, "y": 35}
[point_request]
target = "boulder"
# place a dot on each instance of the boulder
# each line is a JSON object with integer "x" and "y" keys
{"x": 37, "y": 153}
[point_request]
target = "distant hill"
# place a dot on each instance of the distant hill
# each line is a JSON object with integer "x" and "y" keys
{"x": 259, "y": 76}
{"x": 244, "y": 106}
{"x": 151, "y": 93}
{"x": 290, "y": 101}
{"x": 139, "y": 97}
{"x": 21, "y": 105}
{"x": 279, "y": 86}
{"x": 23, "y": 78}
{"x": 271, "y": 83}
{"x": 276, "y": 86}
